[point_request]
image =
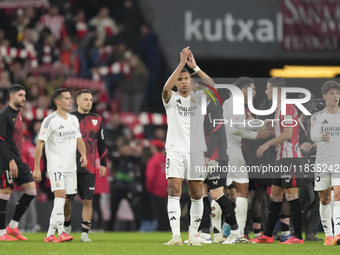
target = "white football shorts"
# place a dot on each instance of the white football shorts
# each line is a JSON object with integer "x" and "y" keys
{"x": 64, "y": 181}
{"x": 189, "y": 166}
{"x": 236, "y": 171}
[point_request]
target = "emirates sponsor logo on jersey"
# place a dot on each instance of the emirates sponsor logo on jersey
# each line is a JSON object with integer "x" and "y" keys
{"x": 95, "y": 122}
{"x": 331, "y": 128}
{"x": 333, "y": 131}
{"x": 186, "y": 111}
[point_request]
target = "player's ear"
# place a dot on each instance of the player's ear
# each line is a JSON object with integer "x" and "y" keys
{"x": 324, "y": 96}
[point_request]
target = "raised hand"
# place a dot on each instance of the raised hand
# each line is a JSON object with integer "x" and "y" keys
{"x": 191, "y": 62}
{"x": 184, "y": 56}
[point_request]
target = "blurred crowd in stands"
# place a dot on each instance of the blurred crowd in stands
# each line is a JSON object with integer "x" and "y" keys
{"x": 110, "y": 48}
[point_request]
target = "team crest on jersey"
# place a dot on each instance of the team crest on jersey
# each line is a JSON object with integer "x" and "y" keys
{"x": 57, "y": 184}
{"x": 95, "y": 122}
{"x": 13, "y": 119}
{"x": 193, "y": 100}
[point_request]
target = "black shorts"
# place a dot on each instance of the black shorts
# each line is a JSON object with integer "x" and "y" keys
{"x": 292, "y": 178}
{"x": 86, "y": 183}
{"x": 24, "y": 176}
{"x": 216, "y": 179}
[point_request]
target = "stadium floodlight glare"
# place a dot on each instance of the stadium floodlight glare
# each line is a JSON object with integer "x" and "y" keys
{"x": 306, "y": 72}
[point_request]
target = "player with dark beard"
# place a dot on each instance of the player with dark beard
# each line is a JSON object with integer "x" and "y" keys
{"x": 14, "y": 168}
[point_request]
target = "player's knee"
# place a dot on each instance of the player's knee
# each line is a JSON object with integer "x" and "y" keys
{"x": 87, "y": 202}
{"x": 291, "y": 197}
{"x": 275, "y": 198}
{"x": 196, "y": 194}
{"x": 31, "y": 192}
{"x": 325, "y": 200}
{"x": 173, "y": 191}
{"x": 7, "y": 191}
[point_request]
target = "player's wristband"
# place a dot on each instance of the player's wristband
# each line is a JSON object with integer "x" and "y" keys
{"x": 196, "y": 69}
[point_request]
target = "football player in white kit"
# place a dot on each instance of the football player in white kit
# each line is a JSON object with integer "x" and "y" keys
{"x": 235, "y": 132}
{"x": 325, "y": 131}
{"x": 61, "y": 136}
{"x": 185, "y": 145}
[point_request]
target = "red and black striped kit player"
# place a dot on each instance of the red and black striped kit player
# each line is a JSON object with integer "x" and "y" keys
{"x": 13, "y": 166}
{"x": 92, "y": 129}
{"x": 289, "y": 159}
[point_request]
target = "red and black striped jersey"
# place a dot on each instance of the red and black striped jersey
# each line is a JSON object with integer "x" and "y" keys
{"x": 289, "y": 148}
{"x": 11, "y": 137}
{"x": 93, "y": 132}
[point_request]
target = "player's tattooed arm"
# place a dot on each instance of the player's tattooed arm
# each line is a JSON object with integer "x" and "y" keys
{"x": 170, "y": 83}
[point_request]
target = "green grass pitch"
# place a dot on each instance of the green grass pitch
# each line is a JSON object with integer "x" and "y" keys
{"x": 152, "y": 244}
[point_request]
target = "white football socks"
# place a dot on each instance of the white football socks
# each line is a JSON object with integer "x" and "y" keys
{"x": 326, "y": 219}
{"x": 196, "y": 213}
{"x": 174, "y": 213}
{"x": 57, "y": 217}
{"x": 241, "y": 212}
{"x": 336, "y": 218}
{"x": 13, "y": 224}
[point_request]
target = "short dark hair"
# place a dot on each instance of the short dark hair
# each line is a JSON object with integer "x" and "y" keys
{"x": 15, "y": 88}
{"x": 57, "y": 93}
{"x": 328, "y": 86}
{"x": 184, "y": 70}
{"x": 244, "y": 82}
{"x": 277, "y": 82}
{"x": 83, "y": 91}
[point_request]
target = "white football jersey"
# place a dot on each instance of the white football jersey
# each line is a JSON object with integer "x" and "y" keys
{"x": 185, "y": 123}
{"x": 60, "y": 137}
{"x": 236, "y": 129}
{"x": 323, "y": 121}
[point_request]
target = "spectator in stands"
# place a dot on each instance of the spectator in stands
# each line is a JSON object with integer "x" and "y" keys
{"x": 18, "y": 74}
{"x": 69, "y": 56}
{"x": 47, "y": 52}
{"x": 160, "y": 134}
{"x": 81, "y": 25}
{"x": 88, "y": 53}
{"x": 106, "y": 26}
{"x": 131, "y": 17}
{"x": 44, "y": 88}
{"x": 31, "y": 17}
{"x": 117, "y": 135}
{"x": 150, "y": 54}
{"x": 156, "y": 185}
{"x": 54, "y": 22}
{"x": 132, "y": 86}
{"x": 33, "y": 93}
{"x": 29, "y": 38}
{"x": 18, "y": 27}
{"x": 2, "y": 36}
{"x": 5, "y": 83}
